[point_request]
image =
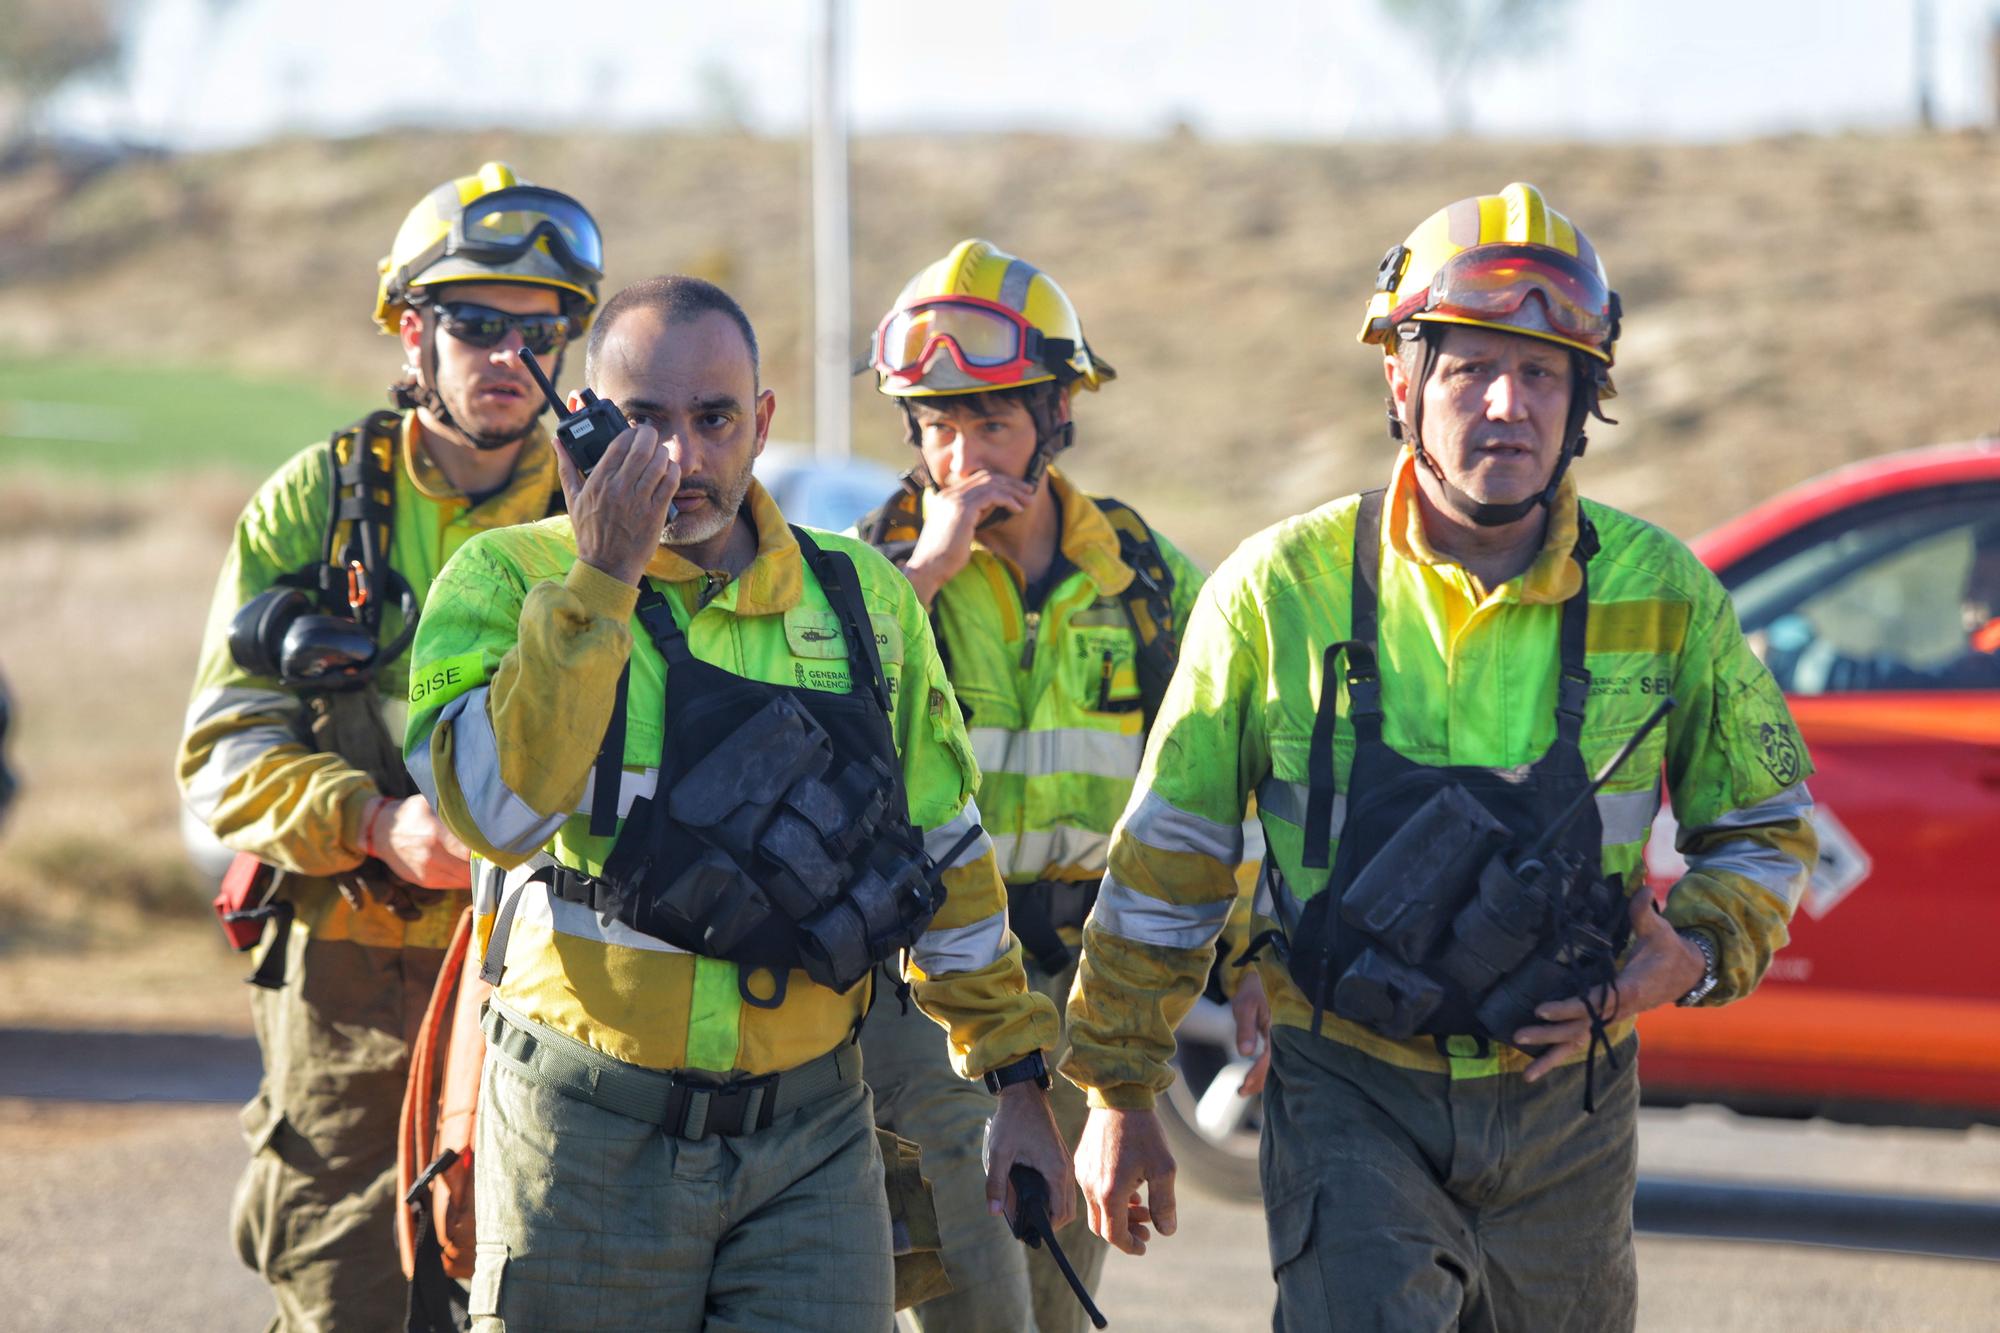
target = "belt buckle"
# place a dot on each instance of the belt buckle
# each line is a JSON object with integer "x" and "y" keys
{"x": 697, "y": 1110}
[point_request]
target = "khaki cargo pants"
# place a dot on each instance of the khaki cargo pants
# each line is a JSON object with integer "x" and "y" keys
{"x": 1410, "y": 1201}
{"x": 999, "y": 1285}
{"x": 315, "y": 1210}
{"x": 591, "y": 1220}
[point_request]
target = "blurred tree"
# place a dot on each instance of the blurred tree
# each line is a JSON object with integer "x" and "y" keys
{"x": 1455, "y": 33}
{"x": 43, "y": 43}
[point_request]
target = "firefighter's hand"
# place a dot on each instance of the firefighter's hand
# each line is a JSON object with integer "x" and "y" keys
{"x": 1661, "y": 968}
{"x": 1024, "y": 1130}
{"x": 1119, "y": 1152}
{"x": 952, "y": 516}
{"x": 405, "y": 836}
{"x": 619, "y": 511}
{"x": 1253, "y": 1029}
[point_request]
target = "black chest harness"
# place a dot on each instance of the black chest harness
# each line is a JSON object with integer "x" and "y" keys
{"x": 778, "y": 835}
{"x": 1460, "y": 897}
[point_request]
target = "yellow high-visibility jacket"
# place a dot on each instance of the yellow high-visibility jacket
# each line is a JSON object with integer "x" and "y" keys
{"x": 247, "y": 767}
{"x": 1468, "y": 678}
{"x": 517, "y": 665}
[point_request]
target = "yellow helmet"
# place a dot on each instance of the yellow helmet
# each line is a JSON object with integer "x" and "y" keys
{"x": 1502, "y": 261}
{"x": 493, "y": 227}
{"x": 979, "y": 320}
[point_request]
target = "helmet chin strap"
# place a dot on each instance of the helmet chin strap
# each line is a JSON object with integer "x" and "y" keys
{"x": 420, "y": 391}
{"x": 1582, "y": 403}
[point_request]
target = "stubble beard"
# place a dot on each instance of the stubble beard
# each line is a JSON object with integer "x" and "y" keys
{"x": 724, "y": 502}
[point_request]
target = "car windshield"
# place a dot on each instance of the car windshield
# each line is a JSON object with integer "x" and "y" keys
{"x": 1905, "y": 596}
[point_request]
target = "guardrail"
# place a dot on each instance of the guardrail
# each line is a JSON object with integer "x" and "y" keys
{"x": 1898, "y": 1223}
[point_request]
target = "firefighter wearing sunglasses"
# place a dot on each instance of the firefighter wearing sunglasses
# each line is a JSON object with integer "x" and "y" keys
{"x": 1417, "y": 683}
{"x": 1057, "y": 615}
{"x": 288, "y": 754}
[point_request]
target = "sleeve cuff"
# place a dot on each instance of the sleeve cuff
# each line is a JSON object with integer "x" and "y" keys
{"x": 600, "y": 593}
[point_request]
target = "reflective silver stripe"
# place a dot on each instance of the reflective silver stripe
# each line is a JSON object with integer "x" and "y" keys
{"x": 1139, "y": 917}
{"x": 1766, "y": 867}
{"x": 940, "y": 840}
{"x": 506, "y": 821}
{"x": 1158, "y": 824}
{"x": 631, "y": 786}
{"x": 234, "y": 754}
{"x": 1260, "y": 899}
{"x": 1101, "y": 754}
{"x": 1794, "y": 802}
{"x": 1288, "y": 800}
{"x": 486, "y": 881}
{"x": 962, "y": 948}
{"x": 540, "y": 905}
{"x": 228, "y": 760}
{"x": 1253, "y": 842}
{"x": 1627, "y": 816}
{"x": 1031, "y": 853}
{"x": 1014, "y": 284}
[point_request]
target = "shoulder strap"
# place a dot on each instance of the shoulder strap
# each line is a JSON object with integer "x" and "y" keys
{"x": 1364, "y": 683}
{"x": 361, "y": 518}
{"x": 1149, "y": 602}
{"x": 1573, "y": 682}
{"x": 893, "y": 526}
{"x": 842, "y": 586}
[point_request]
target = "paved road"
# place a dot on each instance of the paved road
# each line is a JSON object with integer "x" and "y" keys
{"x": 111, "y": 1212}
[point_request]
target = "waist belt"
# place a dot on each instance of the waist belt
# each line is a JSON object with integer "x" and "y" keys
{"x": 1037, "y": 913}
{"x": 685, "y": 1105}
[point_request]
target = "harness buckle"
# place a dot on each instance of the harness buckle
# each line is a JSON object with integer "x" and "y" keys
{"x": 1364, "y": 692}
{"x": 1573, "y": 692}
{"x": 697, "y": 1110}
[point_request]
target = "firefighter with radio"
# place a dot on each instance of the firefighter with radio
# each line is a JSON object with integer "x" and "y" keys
{"x": 344, "y": 878}
{"x": 1423, "y": 686}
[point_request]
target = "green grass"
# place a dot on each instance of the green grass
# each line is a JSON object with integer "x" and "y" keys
{"x": 110, "y": 418}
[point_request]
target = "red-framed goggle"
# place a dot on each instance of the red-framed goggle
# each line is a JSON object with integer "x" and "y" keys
{"x": 990, "y": 343}
{"x": 1492, "y": 283}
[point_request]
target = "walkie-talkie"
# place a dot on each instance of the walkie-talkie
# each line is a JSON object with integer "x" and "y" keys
{"x": 587, "y": 432}
{"x": 1031, "y": 1225}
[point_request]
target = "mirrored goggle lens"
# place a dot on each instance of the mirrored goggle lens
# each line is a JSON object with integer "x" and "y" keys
{"x": 983, "y": 337}
{"x": 482, "y": 326}
{"x": 1495, "y": 282}
{"x": 509, "y": 217}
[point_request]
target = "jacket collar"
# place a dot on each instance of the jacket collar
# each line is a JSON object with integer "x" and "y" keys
{"x": 1553, "y": 577}
{"x": 775, "y": 580}
{"x": 524, "y": 499}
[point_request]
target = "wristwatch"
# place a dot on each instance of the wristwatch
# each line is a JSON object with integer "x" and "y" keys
{"x": 1029, "y": 1066}
{"x": 1709, "y": 975}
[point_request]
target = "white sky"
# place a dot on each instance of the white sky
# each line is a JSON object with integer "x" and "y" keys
{"x": 210, "y": 73}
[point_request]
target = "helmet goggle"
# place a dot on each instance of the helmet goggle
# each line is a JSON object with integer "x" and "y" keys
{"x": 988, "y": 342}
{"x": 500, "y": 227}
{"x": 1491, "y": 284}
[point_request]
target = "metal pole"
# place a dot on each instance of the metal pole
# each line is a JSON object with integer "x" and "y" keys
{"x": 832, "y": 346}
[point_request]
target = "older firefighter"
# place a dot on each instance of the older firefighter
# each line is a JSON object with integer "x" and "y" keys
{"x": 722, "y": 768}
{"x": 1057, "y": 615}
{"x": 288, "y": 755}
{"x": 1449, "y": 1125}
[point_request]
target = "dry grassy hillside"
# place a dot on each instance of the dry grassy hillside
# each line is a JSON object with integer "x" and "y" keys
{"x": 1791, "y": 303}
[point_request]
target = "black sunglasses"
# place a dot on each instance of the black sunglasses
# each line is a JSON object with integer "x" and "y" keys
{"x": 483, "y": 326}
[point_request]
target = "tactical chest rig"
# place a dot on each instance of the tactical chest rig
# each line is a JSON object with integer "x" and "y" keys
{"x": 1038, "y": 912}
{"x": 1460, "y": 897}
{"x": 778, "y": 835}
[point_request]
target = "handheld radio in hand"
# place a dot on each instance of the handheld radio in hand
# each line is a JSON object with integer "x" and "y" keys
{"x": 585, "y": 433}
{"x": 1031, "y": 1224}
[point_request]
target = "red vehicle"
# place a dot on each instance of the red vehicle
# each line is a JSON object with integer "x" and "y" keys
{"x": 1873, "y": 593}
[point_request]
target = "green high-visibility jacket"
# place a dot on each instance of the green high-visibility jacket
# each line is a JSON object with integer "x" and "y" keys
{"x": 517, "y": 661}
{"x": 247, "y": 767}
{"x": 1468, "y": 678}
{"x": 1051, "y": 694}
